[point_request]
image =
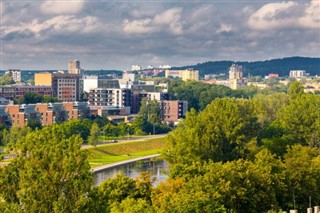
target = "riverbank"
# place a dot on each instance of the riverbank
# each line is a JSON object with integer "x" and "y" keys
{"x": 113, "y": 153}
{"x": 108, "y": 166}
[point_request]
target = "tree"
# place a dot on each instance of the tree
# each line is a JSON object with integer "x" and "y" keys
{"x": 50, "y": 172}
{"x": 296, "y": 89}
{"x": 6, "y": 79}
{"x": 301, "y": 119}
{"x": 94, "y": 135}
{"x": 219, "y": 133}
{"x": 303, "y": 175}
{"x": 30, "y": 98}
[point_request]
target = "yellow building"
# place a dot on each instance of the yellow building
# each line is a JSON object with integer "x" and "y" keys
{"x": 185, "y": 75}
{"x": 43, "y": 79}
{"x": 189, "y": 75}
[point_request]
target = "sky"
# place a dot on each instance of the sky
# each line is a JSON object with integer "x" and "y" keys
{"x": 113, "y": 34}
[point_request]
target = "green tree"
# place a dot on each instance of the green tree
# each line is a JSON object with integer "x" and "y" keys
{"x": 296, "y": 89}
{"x": 6, "y": 80}
{"x": 301, "y": 120}
{"x": 30, "y": 98}
{"x": 221, "y": 132}
{"x": 303, "y": 175}
{"x": 50, "y": 172}
{"x": 94, "y": 135}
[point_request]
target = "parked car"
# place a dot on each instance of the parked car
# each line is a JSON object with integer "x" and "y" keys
{"x": 114, "y": 141}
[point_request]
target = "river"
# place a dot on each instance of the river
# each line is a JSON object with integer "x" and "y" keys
{"x": 159, "y": 170}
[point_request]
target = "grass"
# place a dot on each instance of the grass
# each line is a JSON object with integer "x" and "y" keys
{"x": 112, "y": 153}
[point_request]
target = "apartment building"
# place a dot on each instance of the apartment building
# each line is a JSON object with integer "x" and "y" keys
{"x": 15, "y": 74}
{"x": 21, "y": 90}
{"x": 7, "y": 91}
{"x": 173, "y": 111}
{"x": 298, "y": 74}
{"x": 110, "y": 97}
{"x": 45, "y": 113}
{"x": 66, "y": 87}
{"x": 185, "y": 75}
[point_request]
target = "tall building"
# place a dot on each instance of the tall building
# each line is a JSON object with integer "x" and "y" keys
{"x": 74, "y": 67}
{"x": 236, "y": 76}
{"x": 66, "y": 87}
{"x": 15, "y": 74}
{"x": 235, "y": 72}
{"x": 185, "y": 75}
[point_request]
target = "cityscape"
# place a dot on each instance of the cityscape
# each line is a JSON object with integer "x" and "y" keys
{"x": 160, "y": 106}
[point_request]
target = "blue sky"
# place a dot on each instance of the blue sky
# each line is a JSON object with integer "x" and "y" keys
{"x": 117, "y": 34}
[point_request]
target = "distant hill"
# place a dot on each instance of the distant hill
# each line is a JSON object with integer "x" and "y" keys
{"x": 279, "y": 66}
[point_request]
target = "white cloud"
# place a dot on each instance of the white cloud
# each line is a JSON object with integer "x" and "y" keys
{"x": 61, "y": 7}
{"x": 168, "y": 20}
{"x": 273, "y": 15}
{"x": 138, "y": 26}
{"x": 224, "y": 28}
{"x": 58, "y": 25}
{"x": 311, "y": 16}
{"x": 286, "y": 15}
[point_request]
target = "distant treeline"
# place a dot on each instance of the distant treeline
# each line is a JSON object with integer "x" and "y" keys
{"x": 262, "y": 68}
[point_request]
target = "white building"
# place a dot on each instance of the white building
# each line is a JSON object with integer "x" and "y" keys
{"x": 136, "y": 67}
{"x": 298, "y": 74}
{"x": 15, "y": 74}
{"x": 89, "y": 82}
{"x": 128, "y": 76}
{"x": 110, "y": 97}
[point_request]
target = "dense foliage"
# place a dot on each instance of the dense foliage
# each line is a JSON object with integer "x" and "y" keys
{"x": 6, "y": 80}
{"x": 237, "y": 155}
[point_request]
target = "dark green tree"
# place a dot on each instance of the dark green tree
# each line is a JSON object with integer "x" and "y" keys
{"x": 94, "y": 135}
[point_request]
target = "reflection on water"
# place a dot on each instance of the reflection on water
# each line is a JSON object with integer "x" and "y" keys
{"x": 159, "y": 170}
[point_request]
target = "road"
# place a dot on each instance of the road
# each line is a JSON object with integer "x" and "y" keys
{"x": 131, "y": 139}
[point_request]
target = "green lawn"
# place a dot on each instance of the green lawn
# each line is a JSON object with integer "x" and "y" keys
{"x": 107, "y": 154}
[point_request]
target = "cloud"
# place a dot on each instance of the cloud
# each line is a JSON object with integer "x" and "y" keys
{"x": 286, "y": 15}
{"x": 311, "y": 16}
{"x": 273, "y": 15}
{"x": 62, "y": 25}
{"x": 169, "y": 20}
{"x": 225, "y": 28}
{"x": 61, "y": 7}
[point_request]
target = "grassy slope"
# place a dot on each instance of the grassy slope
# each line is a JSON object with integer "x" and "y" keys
{"x": 124, "y": 151}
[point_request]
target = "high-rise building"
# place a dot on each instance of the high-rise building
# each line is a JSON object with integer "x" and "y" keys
{"x": 74, "y": 67}
{"x": 15, "y": 74}
{"x": 185, "y": 75}
{"x": 66, "y": 87}
{"x": 235, "y": 72}
{"x": 236, "y": 76}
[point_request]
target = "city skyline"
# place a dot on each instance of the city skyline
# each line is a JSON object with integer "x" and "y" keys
{"x": 116, "y": 35}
